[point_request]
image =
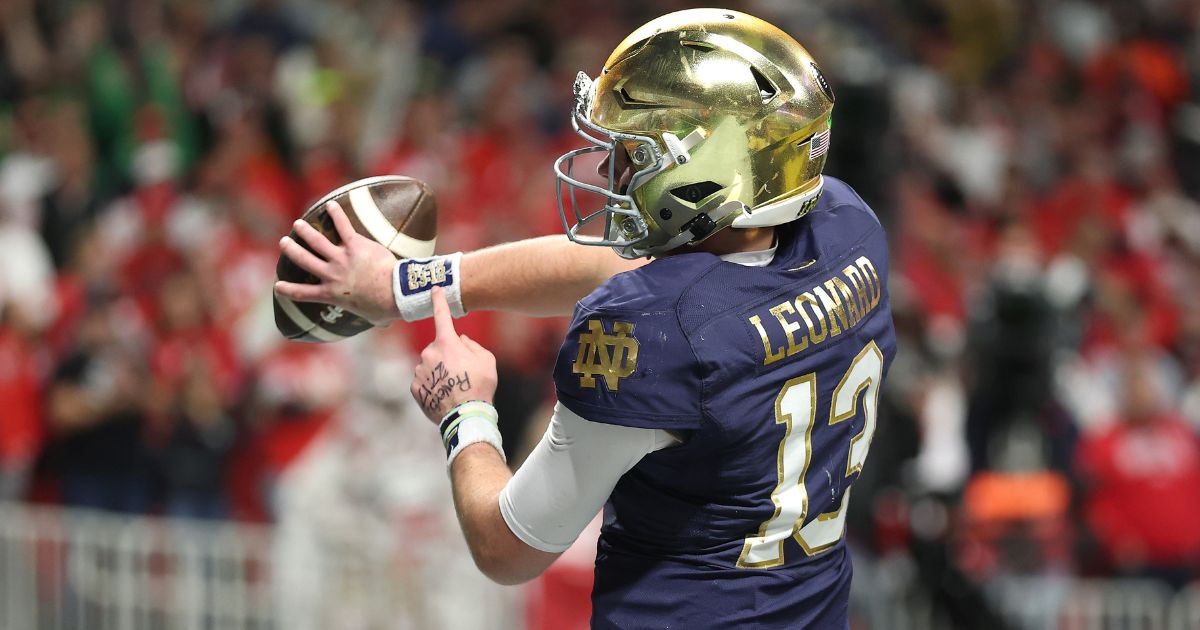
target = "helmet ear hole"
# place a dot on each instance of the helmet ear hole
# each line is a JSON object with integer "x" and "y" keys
{"x": 700, "y": 227}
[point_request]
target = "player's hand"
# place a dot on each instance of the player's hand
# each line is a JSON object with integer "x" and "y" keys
{"x": 356, "y": 275}
{"x": 453, "y": 369}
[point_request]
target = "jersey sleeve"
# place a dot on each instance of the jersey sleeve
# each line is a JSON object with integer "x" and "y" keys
{"x": 569, "y": 475}
{"x": 632, "y": 368}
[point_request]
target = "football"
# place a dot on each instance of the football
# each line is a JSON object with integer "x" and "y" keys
{"x": 398, "y": 212}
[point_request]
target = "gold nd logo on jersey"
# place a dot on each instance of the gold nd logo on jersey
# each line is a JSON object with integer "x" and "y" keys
{"x": 609, "y": 356}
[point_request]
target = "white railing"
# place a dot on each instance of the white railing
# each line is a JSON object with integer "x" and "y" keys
{"x": 887, "y": 595}
{"x": 1185, "y": 609}
{"x": 66, "y": 569}
{"x": 1063, "y": 603}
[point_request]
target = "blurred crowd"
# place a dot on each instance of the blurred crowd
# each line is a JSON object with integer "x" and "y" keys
{"x": 1037, "y": 164}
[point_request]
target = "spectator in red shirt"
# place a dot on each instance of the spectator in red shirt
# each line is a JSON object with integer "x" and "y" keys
{"x": 21, "y": 421}
{"x": 297, "y": 390}
{"x": 1142, "y": 484}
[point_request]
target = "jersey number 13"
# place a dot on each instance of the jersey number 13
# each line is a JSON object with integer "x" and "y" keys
{"x": 796, "y": 407}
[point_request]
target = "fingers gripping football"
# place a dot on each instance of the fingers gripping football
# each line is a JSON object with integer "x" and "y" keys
{"x": 354, "y": 275}
{"x": 317, "y": 241}
{"x": 306, "y": 259}
{"x": 453, "y": 369}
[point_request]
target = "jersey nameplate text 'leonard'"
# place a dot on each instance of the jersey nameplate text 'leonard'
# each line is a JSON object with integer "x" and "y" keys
{"x": 609, "y": 356}
{"x": 823, "y": 312}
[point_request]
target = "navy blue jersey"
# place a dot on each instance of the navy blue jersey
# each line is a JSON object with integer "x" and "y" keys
{"x": 770, "y": 376}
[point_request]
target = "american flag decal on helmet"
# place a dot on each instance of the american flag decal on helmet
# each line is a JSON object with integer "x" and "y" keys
{"x": 818, "y": 145}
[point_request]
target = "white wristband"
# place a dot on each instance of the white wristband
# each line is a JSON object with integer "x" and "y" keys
{"x": 413, "y": 280}
{"x": 469, "y": 423}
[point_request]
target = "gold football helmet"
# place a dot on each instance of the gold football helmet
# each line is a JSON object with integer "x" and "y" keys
{"x": 724, "y": 120}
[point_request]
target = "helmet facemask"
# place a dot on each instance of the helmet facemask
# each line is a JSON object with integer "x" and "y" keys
{"x": 624, "y": 227}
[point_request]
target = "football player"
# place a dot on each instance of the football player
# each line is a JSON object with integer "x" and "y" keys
{"x": 717, "y": 390}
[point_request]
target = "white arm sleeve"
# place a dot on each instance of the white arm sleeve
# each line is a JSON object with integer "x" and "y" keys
{"x": 569, "y": 475}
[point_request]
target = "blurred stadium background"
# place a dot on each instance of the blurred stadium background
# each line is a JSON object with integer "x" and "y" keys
{"x": 166, "y": 461}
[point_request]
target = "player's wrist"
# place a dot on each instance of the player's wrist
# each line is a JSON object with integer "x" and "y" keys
{"x": 413, "y": 280}
{"x": 467, "y": 423}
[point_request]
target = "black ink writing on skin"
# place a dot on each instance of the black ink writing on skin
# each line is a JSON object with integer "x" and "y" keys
{"x": 440, "y": 386}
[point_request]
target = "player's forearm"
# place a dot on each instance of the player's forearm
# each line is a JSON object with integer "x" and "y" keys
{"x": 477, "y": 477}
{"x": 539, "y": 276}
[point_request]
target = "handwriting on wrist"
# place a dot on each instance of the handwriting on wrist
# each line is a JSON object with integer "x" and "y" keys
{"x": 440, "y": 386}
